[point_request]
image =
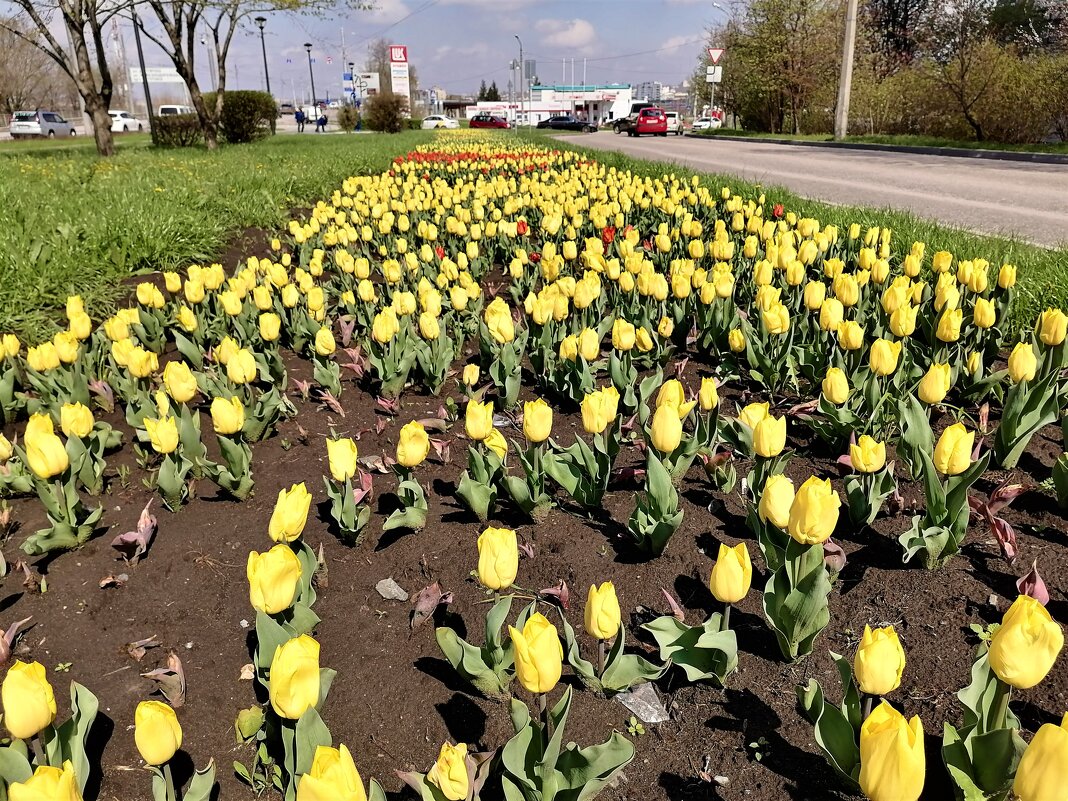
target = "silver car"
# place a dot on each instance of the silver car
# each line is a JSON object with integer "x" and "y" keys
{"x": 27, "y": 124}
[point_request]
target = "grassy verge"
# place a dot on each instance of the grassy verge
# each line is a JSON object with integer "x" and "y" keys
{"x": 1058, "y": 148}
{"x": 79, "y": 144}
{"x": 76, "y": 223}
{"x": 1043, "y": 273}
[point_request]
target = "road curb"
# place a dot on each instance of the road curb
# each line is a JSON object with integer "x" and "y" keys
{"x": 953, "y": 152}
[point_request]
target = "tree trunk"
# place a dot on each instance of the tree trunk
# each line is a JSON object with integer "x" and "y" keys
{"x": 209, "y": 128}
{"x": 97, "y": 99}
{"x": 98, "y": 111}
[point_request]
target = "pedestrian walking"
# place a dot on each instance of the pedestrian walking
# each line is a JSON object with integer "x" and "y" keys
{"x": 320, "y": 124}
{"x": 299, "y": 117}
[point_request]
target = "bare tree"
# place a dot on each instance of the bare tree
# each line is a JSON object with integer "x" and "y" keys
{"x": 83, "y": 59}
{"x": 29, "y": 78}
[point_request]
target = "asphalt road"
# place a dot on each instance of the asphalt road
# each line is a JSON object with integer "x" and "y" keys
{"x": 1027, "y": 201}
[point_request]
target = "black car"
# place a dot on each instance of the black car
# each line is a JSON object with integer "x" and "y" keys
{"x": 567, "y": 122}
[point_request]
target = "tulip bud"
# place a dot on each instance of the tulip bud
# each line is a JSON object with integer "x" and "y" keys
{"x": 157, "y": 733}
{"x": 589, "y": 344}
{"x": 498, "y": 319}
{"x": 76, "y": 420}
{"x": 753, "y": 414}
{"x": 836, "y": 386}
{"x": 850, "y": 335}
{"x": 1024, "y": 648}
{"x": 949, "y": 325}
{"x": 708, "y": 395}
{"x": 832, "y": 313}
{"x": 28, "y": 699}
{"x": 867, "y": 455}
{"x": 294, "y": 677}
{"x": 273, "y": 579}
{"x": 179, "y": 382}
{"x": 935, "y": 384}
{"x": 470, "y": 375}
{"x": 324, "y": 342}
{"x": 1052, "y": 327}
{"x": 227, "y": 415}
{"x": 602, "y": 616}
{"x": 953, "y": 453}
{"x": 903, "y": 320}
{"x": 599, "y": 410}
{"x": 498, "y": 558}
{"x": 879, "y": 662}
{"x": 47, "y": 784}
{"x": 814, "y": 512}
{"x": 537, "y": 420}
{"x": 538, "y": 654}
{"x": 736, "y": 340}
{"x": 883, "y": 357}
{"x": 413, "y": 444}
{"x": 478, "y": 421}
{"x": 42, "y": 358}
{"x": 732, "y": 574}
{"x": 776, "y": 500}
{"x": 984, "y": 315}
{"x": 892, "y": 761}
{"x": 162, "y": 434}
{"x": 1007, "y": 276}
{"x": 290, "y": 513}
{"x": 769, "y": 436}
{"x": 1043, "y": 769}
{"x": 622, "y": 335}
{"x": 45, "y": 453}
{"x": 341, "y": 456}
{"x": 241, "y": 368}
{"x": 1022, "y": 363}
{"x": 333, "y": 777}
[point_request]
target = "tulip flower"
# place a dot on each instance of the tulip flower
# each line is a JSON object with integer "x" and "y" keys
{"x": 736, "y": 340}
{"x": 179, "y": 382}
{"x": 470, "y": 375}
{"x": 1042, "y": 774}
{"x": 290, "y": 513}
{"x": 708, "y": 395}
{"x": 903, "y": 320}
{"x": 769, "y": 436}
{"x": 814, "y": 512}
{"x": 892, "y": 766}
{"x": 776, "y": 500}
{"x": 753, "y": 414}
{"x": 538, "y": 654}
{"x": 498, "y": 558}
{"x": 599, "y": 410}
{"x": 883, "y": 357}
{"x": 241, "y": 367}
{"x": 731, "y": 576}
{"x": 850, "y": 335}
{"x": 1023, "y": 650}
{"x": 1052, "y": 327}
{"x": 6, "y": 449}
{"x": 478, "y": 422}
{"x": 1007, "y": 276}
{"x": 294, "y": 677}
{"x": 1022, "y": 363}
{"x": 602, "y": 616}
{"x": 935, "y": 384}
{"x": 270, "y": 325}
{"x": 47, "y": 784}
{"x": 385, "y": 326}
{"x": 984, "y": 315}
{"x": 953, "y": 453}
{"x": 341, "y": 455}
{"x": 162, "y": 434}
{"x": 449, "y": 773}
{"x": 273, "y": 579}
{"x": 324, "y": 342}
{"x": 76, "y": 420}
{"x": 867, "y": 455}
{"x": 879, "y": 662}
{"x": 622, "y": 335}
{"x": 45, "y": 453}
{"x": 666, "y": 429}
{"x": 537, "y": 420}
{"x": 836, "y": 386}
{"x": 28, "y": 699}
{"x": 227, "y": 415}
{"x": 589, "y": 344}
{"x": 498, "y": 319}
{"x": 949, "y": 324}
{"x": 333, "y": 777}
{"x": 413, "y": 444}
{"x": 157, "y": 733}
{"x": 497, "y": 444}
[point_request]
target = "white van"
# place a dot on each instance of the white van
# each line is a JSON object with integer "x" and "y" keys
{"x": 168, "y": 110}
{"x": 674, "y": 123}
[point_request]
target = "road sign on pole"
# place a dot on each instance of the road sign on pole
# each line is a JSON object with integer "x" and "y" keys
{"x": 715, "y": 54}
{"x": 713, "y": 74}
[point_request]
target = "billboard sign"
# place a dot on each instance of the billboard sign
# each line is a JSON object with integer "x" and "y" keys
{"x": 399, "y": 76}
{"x": 156, "y": 75}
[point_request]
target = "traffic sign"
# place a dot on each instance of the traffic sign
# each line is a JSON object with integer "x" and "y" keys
{"x": 713, "y": 74}
{"x": 715, "y": 54}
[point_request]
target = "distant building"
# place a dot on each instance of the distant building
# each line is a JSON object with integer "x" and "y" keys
{"x": 649, "y": 90}
{"x": 598, "y": 104}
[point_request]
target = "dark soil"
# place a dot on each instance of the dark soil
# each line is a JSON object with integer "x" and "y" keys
{"x": 395, "y": 699}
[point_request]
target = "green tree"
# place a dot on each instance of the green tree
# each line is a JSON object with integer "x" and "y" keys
{"x": 482, "y": 91}
{"x": 493, "y": 93}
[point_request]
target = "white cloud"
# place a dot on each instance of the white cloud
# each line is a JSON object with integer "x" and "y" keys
{"x": 679, "y": 43}
{"x": 386, "y": 12}
{"x": 574, "y": 33}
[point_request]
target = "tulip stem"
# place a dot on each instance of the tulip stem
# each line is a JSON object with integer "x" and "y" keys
{"x": 543, "y": 710}
{"x": 600, "y": 657}
{"x": 1001, "y": 711}
{"x": 169, "y": 781}
{"x": 38, "y": 750}
{"x": 867, "y": 707}
{"x": 726, "y": 617}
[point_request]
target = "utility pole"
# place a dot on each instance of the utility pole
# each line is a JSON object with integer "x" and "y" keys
{"x": 144, "y": 74}
{"x": 845, "y": 81}
{"x": 522, "y": 82}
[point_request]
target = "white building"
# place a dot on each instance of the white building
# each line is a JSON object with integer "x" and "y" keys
{"x": 598, "y": 104}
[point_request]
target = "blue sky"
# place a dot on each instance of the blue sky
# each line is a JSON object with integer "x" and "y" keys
{"x": 457, "y": 43}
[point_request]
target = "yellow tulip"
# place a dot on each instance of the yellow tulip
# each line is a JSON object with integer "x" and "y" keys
{"x": 185, "y": 318}
{"x": 814, "y": 512}
{"x": 66, "y": 347}
{"x": 776, "y": 501}
{"x": 11, "y": 345}
{"x": 815, "y": 294}
{"x": 732, "y": 574}
{"x": 29, "y": 702}
{"x": 324, "y": 342}
{"x": 384, "y": 326}
{"x": 241, "y": 368}
{"x": 935, "y": 384}
{"x": 1043, "y": 770}
{"x": 836, "y": 386}
{"x": 602, "y": 617}
{"x": 953, "y": 453}
{"x": 832, "y": 313}
{"x": 157, "y": 733}
{"x": 1024, "y": 649}
{"x": 47, "y": 784}
{"x": 333, "y": 777}
{"x": 76, "y": 420}
{"x": 227, "y": 415}
{"x": 231, "y": 302}
{"x": 769, "y": 436}
{"x": 173, "y": 282}
{"x": 538, "y": 654}
{"x": 498, "y": 558}
{"x": 6, "y": 449}
{"x": 290, "y": 513}
{"x": 1022, "y": 363}
{"x": 776, "y": 319}
{"x": 194, "y": 291}
{"x": 867, "y": 455}
{"x": 81, "y": 326}
{"x": 42, "y": 358}
{"x": 883, "y": 357}
{"x": 623, "y": 334}
{"x": 429, "y": 328}
{"x": 850, "y": 335}
{"x": 179, "y": 382}
{"x": 753, "y": 414}
{"x": 975, "y": 362}
{"x": 892, "y": 761}
{"x": 1007, "y": 276}
{"x": 294, "y": 677}
{"x": 470, "y": 375}
{"x": 736, "y": 340}
{"x": 449, "y": 773}
{"x": 903, "y": 320}
{"x": 599, "y": 410}
{"x": 498, "y": 319}
{"x": 941, "y": 261}
{"x": 413, "y": 444}
{"x": 949, "y": 325}
{"x": 879, "y": 662}
{"x": 537, "y": 420}
{"x": 643, "y": 340}
{"x": 1052, "y": 327}
{"x": 984, "y": 315}
{"x": 497, "y": 444}
{"x": 341, "y": 455}
{"x": 708, "y": 395}
{"x": 162, "y": 434}
{"x": 142, "y": 363}
{"x": 44, "y": 450}
{"x": 589, "y": 344}
{"x": 273, "y": 578}
{"x": 478, "y": 421}
{"x": 666, "y": 327}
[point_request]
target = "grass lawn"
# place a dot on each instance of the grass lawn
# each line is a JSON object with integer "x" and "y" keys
{"x": 1043, "y": 273}
{"x": 1059, "y": 148}
{"x": 76, "y": 223}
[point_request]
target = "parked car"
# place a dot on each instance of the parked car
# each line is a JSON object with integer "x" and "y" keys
{"x": 651, "y": 120}
{"x": 286, "y": 109}
{"x": 623, "y": 123}
{"x": 674, "y": 123}
{"x": 488, "y": 121}
{"x": 171, "y": 109}
{"x": 438, "y": 121}
{"x": 707, "y": 123}
{"x": 28, "y": 124}
{"x": 124, "y": 122}
{"x": 567, "y": 122}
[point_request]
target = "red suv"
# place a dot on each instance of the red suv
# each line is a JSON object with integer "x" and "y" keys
{"x": 648, "y": 121}
{"x": 488, "y": 121}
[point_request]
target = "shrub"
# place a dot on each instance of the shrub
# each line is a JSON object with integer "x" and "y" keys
{"x": 247, "y": 116}
{"x": 386, "y": 113}
{"x": 177, "y": 130}
{"x": 347, "y": 117}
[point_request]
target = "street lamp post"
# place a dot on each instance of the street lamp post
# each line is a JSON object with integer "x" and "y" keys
{"x": 522, "y": 80}
{"x": 261, "y": 21}
{"x": 845, "y": 80}
{"x": 311, "y": 72}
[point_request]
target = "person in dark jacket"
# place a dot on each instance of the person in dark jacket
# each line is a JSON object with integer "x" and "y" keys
{"x": 299, "y": 117}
